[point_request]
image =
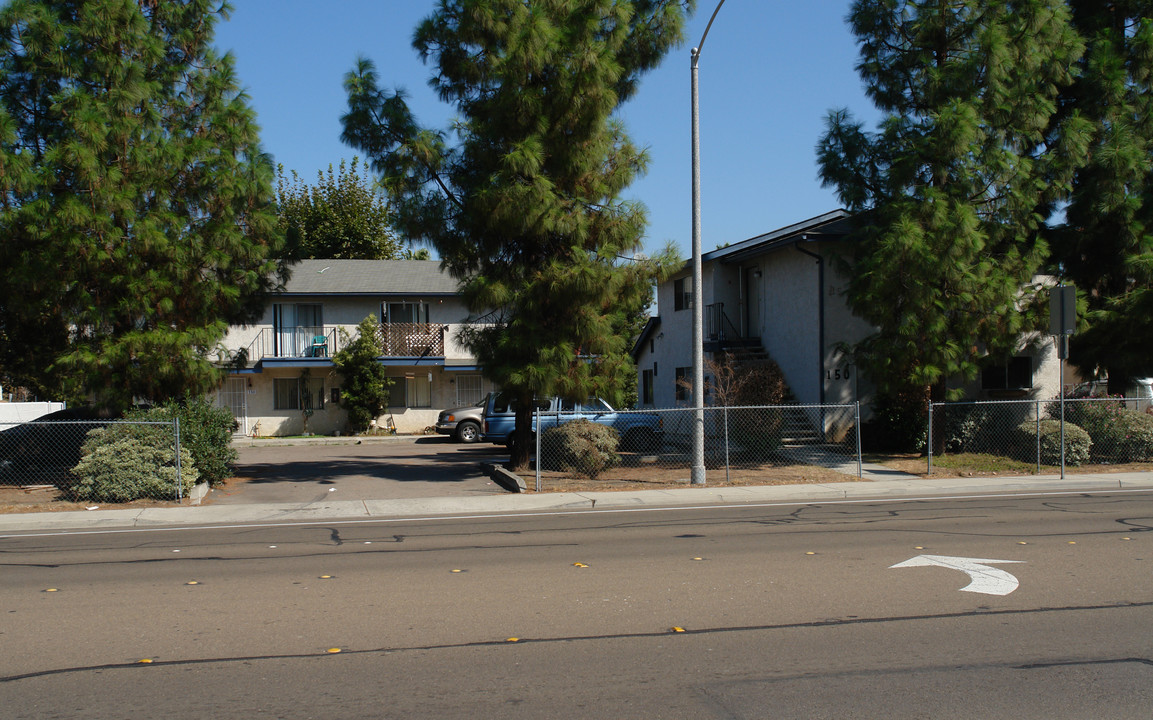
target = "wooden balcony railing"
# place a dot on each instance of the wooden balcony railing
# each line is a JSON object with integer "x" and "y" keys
{"x": 412, "y": 339}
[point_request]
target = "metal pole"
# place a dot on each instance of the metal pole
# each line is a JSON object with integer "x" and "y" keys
{"x": 1062, "y": 366}
{"x": 179, "y": 475}
{"x": 538, "y": 463}
{"x": 857, "y": 424}
{"x": 929, "y": 454}
{"x": 698, "y": 466}
{"x": 727, "y": 465}
{"x": 1037, "y": 413}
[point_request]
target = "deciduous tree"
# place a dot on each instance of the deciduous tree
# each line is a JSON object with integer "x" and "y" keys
{"x": 342, "y": 216}
{"x": 524, "y": 206}
{"x": 136, "y": 214}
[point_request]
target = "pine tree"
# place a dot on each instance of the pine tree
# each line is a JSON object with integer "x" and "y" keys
{"x": 342, "y": 216}
{"x": 954, "y": 185}
{"x": 136, "y": 216}
{"x": 1105, "y": 245}
{"x": 525, "y": 208}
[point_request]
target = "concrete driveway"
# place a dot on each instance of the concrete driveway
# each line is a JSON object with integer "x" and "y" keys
{"x": 306, "y": 471}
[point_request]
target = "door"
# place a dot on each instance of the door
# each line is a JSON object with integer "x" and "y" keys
{"x": 234, "y": 396}
{"x": 752, "y": 327}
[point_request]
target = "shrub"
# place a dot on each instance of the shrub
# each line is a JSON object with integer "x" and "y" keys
{"x": 979, "y": 428}
{"x": 1119, "y": 434}
{"x": 898, "y": 425}
{"x": 126, "y": 461}
{"x": 365, "y": 391}
{"x": 755, "y": 433}
{"x": 1137, "y": 445}
{"x": 206, "y": 432}
{"x": 1077, "y": 443}
{"x": 580, "y": 446}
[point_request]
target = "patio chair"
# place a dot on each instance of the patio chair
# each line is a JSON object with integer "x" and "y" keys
{"x": 319, "y": 347}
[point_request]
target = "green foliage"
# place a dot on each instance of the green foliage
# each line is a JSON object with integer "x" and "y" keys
{"x": 342, "y": 216}
{"x": 898, "y": 424}
{"x": 1105, "y": 244}
{"x": 950, "y": 185}
{"x": 364, "y": 393}
{"x": 1119, "y": 435}
{"x": 1077, "y": 443}
{"x": 580, "y": 446}
{"x": 526, "y": 210}
{"x": 978, "y": 428}
{"x": 205, "y": 431}
{"x": 136, "y": 217}
{"x": 122, "y": 462}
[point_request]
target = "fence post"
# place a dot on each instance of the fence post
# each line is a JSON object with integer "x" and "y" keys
{"x": 929, "y": 448}
{"x": 1037, "y": 413}
{"x": 726, "y": 443}
{"x": 857, "y": 425}
{"x": 538, "y": 434}
{"x": 179, "y": 473}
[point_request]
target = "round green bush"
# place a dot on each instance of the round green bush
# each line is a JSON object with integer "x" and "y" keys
{"x": 1077, "y": 443}
{"x": 580, "y": 446}
{"x": 124, "y": 462}
{"x": 1137, "y": 442}
{"x": 205, "y": 430}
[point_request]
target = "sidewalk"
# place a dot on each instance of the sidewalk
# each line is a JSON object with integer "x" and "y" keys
{"x": 350, "y": 510}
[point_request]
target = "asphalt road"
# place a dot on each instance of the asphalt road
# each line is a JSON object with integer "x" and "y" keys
{"x": 433, "y": 466}
{"x": 728, "y": 612}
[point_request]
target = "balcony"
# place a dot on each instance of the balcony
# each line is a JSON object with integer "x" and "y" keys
{"x": 411, "y": 339}
{"x": 311, "y": 342}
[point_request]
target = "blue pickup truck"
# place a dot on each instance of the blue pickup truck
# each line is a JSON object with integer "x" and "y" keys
{"x": 639, "y": 431}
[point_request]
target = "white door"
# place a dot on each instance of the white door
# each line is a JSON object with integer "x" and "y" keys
{"x": 234, "y": 396}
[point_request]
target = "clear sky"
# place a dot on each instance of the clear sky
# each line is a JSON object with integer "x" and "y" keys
{"x": 769, "y": 73}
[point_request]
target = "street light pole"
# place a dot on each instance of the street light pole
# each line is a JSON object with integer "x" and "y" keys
{"x": 698, "y": 387}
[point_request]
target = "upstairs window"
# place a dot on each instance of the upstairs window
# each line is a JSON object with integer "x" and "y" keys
{"x": 682, "y": 293}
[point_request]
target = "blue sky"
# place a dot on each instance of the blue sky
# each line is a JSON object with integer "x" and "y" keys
{"x": 769, "y": 73}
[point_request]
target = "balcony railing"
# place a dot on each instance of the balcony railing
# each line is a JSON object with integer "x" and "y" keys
{"x": 306, "y": 341}
{"x": 411, "y": 339}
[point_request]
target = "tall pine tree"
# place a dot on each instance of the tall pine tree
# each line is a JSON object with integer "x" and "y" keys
{"x": 136, "y": 214}
{"x": 524, "y": 209}
{"x": 954, "y": 185}
{"x": 1105, "y": 245}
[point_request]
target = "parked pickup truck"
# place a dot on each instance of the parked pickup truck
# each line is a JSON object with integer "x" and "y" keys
{"x": 638, "y": 430}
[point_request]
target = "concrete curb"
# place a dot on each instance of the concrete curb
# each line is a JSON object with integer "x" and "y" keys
{"x": 351, "y": 510}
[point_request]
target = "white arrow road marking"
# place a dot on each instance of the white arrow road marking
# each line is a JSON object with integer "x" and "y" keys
{"x": 984, "y": 579}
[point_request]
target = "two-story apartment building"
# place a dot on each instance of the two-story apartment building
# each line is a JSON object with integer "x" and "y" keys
{"x": 783, "y": 293}
{"x": 285, "y": 382}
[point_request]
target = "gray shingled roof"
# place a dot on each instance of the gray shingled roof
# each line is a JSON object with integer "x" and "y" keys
{"x": 369, "y": 277}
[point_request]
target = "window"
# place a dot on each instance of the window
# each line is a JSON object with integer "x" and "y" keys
{"x": 683, "y": 381}
{"x": 647, "y": 387}
{"x": 468, "y": 390}
{"x": 405, "y": 312}
{"x": 294, "y": 327}
{"x": 1017, "y": 374}
{"x": 411, "y": 391}
{"x": 682, "y": 293}
{"x": 298, "y": 394}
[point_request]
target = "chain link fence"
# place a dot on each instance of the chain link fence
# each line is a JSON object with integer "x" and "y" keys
{"x": 95, "y": 461}
{"x": 636, "y": 447}
{"x": 1096, "y": 431}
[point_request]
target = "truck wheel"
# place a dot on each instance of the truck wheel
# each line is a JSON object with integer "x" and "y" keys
{"x": 467, "y": 432}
